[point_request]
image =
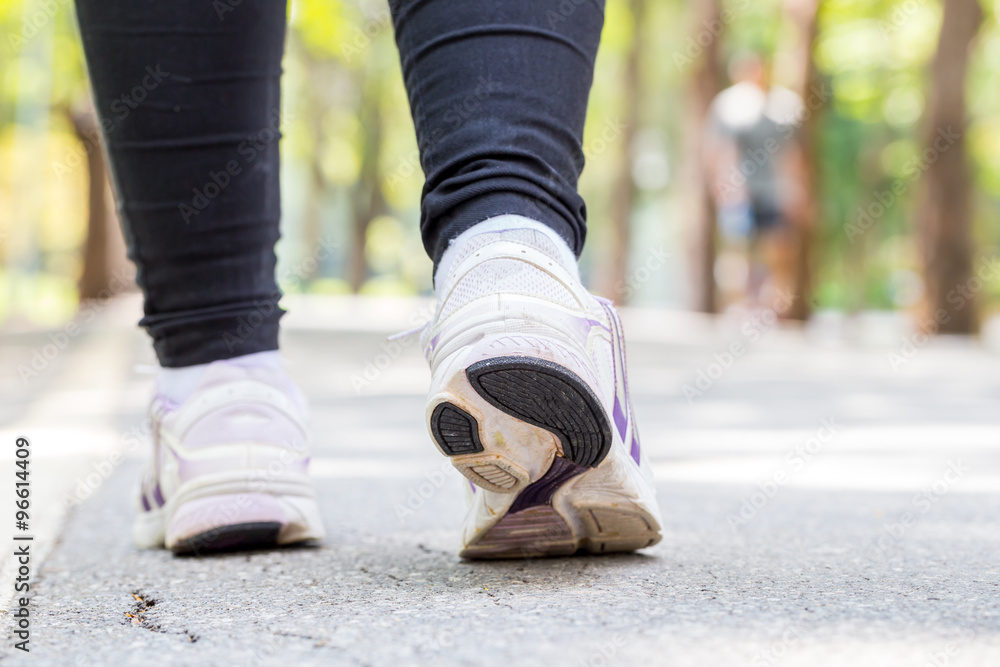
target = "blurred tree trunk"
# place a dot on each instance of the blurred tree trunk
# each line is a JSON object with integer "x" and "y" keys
{"x": 368, "y": 200}
{"x": 623, "y": 187}
{"x": 945, "y": 215}
{"x": 104, "y": 254}
{"x": 312, "y": 231}
{"x": 322, "y": 75}
{"x": 803, "y": 15}
{"x": 705, "y": 82}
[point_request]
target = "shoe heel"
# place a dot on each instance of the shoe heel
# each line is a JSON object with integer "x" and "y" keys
{"x": 549, "y": 396}
{"x": 503, "y": 421}
{"x": 492, "y": 450}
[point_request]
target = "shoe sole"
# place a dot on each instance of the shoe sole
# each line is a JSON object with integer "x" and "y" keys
{"x": 583, "y": 499}
{"x": 532, "y": 391}
{"x": 571, "y": 510}
{"x": 238, "y": 537}
{"x": 230, "y": 519}
{"x": 550, "y": 396}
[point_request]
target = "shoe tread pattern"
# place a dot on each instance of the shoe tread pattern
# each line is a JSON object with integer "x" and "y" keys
{"x": 549, "y": 396}
{"x": 455, "y": 430}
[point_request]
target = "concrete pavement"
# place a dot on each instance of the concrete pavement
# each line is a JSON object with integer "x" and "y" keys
{"x": 824, "y": 504}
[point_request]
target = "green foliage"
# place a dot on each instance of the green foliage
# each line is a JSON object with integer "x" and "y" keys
{"x": 344, "y": 96}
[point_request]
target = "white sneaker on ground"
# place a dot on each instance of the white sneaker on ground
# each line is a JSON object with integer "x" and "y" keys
{"x": 529, "y": 399}
{"x": 229, "y": 466}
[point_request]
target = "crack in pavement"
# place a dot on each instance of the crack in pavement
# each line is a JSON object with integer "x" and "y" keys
{"x": 136, "y": 616}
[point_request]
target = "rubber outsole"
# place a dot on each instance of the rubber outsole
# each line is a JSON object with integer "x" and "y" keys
{"x": 589, "y": 521}
{"x": 238, "y": 537}
{"x": 572, "y": 506}
{"x": 549, "y": 396}
{"x": 455, "y": 430}
{"x": 541, "y": 531}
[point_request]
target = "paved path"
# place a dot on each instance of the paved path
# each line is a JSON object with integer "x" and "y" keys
{"x": 821, "y": 508}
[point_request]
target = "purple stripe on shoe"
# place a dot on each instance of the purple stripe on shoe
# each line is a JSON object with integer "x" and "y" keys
{"x": 541, "y": 492}
{"x": 158, "y": 496}
{"x": 145, "y": 503}
{"x": 598, "y": 323}
{"x": 620, "y": 421}
{"x": 429, "y": 349}
{"x": 635, "y": 448}
{"x": 583, "y": 325}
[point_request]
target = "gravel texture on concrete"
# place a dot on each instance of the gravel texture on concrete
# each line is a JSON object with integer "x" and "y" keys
{"x": 873, "y": 542}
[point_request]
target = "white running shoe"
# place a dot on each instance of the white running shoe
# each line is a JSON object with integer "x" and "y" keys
{"x": 229, "y": 466}
{"x": 529, "y": 399}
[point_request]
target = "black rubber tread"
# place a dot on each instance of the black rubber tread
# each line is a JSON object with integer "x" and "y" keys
{"x": 456, "y": 431}
{"x": 550, "y": 396}
{"x": 238, "y": 537}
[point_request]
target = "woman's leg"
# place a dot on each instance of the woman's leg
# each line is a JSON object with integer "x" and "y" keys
{"x": 189, "y": 104}
{"x": 498, "y": 92}
{"x": 188, "y": 99}
{"x": 528, "y": 394}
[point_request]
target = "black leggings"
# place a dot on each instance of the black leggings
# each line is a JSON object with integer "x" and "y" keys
{"x": 188, "y": 95}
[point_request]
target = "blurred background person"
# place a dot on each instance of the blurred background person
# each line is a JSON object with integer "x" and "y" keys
{"x": 754, "y": 169}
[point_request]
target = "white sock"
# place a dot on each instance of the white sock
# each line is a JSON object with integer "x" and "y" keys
{"x": 506, "y": 228}
{"x": 177, "y": 384}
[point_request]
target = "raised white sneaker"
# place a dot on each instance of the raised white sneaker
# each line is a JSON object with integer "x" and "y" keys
{"x": 530, "y": 401}
{"x": 229, "y": 466}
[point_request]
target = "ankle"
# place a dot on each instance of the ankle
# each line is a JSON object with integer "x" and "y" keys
{"x": 178, "y": 384}
{"x": 506, "y": 228}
